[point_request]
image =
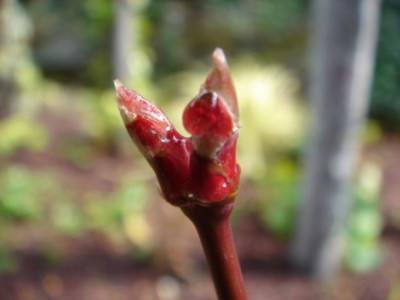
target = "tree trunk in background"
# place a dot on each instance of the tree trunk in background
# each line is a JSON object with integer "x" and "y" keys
{"x": 343, "y": 43}
{"x": 122, "y": 38}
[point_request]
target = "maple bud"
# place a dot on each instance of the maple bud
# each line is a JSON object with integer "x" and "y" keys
{"x": 200, "y": 170}
{"x": 165, "y": 149}
{"x": 213, "y": 115}
{"x": 212, "y": 118}
{"x": 199, "y": 174}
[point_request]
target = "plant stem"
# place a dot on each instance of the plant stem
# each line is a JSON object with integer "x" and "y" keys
{"x": 213, "y": 226}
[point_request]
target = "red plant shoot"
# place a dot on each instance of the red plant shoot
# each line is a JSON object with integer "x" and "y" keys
{"x": 198, "y": 174}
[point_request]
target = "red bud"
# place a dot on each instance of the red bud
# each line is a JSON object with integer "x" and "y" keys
{"x": 197, "y": 171}
{"x": 165, "y": 149}
{"x": 209, "y": 121}
{"x": 213, "y": 115}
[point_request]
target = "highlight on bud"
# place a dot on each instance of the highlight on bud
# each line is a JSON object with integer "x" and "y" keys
{"x": 201, "y": 169}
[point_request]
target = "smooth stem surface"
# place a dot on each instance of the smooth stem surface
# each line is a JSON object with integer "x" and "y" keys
{"x": 214, "y": 229}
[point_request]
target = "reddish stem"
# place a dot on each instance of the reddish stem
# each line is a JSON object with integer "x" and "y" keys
{"x": 213, "y": 226}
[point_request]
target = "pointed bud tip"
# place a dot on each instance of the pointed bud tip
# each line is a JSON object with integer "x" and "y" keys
{"x": 125, "y": 103}
{"x": 117, "y": 84}
{"x": 219, "y": 56}
{"x": 219, "y": 80}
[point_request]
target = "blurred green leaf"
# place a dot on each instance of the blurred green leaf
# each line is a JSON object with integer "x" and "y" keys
{"x": 365, "y": 224}
{"x": 128, "y": 198}
{"x": 363, "y": 257}
{"x": 365, "y": 221}
{"x": 385, "y": 98}
{"x": 278, "y": 209}
{"x": 67, "y": 217}
{"x": 18, "y": 199}
{"x": 17, "y": 132}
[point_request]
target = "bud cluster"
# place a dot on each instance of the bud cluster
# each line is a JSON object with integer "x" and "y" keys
{"x": 196, "y": 170}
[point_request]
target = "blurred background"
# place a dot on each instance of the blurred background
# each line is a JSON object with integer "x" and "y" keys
{"x": 80, "y": 213}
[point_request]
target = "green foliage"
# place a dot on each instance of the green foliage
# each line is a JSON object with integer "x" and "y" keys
{"x": 20, "y": 133}
{"x": 67, "y": 218}
{"x": 365, "y": 222}
{"x": 130, "y": 197}
{"x": 385, "y": 106}
{"x": 277, "y": 206}
{"x": 123, "y": 214}
{"x": 102, "y": 120}
{"x": 72, "y": 40}
{"x": 36, "y": 200}
{"x": 279, "y": 17}
{"x": 19, "y": 195}
{"x": 182, "y": 30}
{"x": 363, "y": 257}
